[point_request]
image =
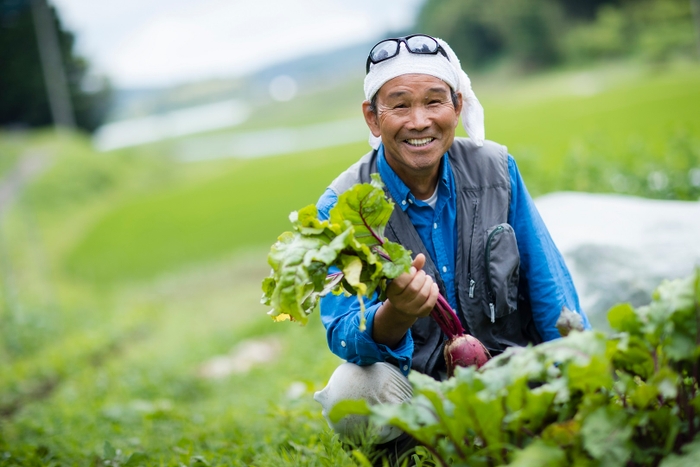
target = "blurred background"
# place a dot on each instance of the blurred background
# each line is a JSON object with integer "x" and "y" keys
{"x": 151, "y": 151}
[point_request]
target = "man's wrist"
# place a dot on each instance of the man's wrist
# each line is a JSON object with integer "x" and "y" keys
{"x": 395, "y": 314}
{"x": 390, "y": 324}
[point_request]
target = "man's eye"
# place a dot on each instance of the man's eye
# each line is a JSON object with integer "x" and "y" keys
{"x": 400, "y": 106}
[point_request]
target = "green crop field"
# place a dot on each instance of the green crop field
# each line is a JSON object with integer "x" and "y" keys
{"x": 125, "y": 274}
{"x": 247, "y": 205}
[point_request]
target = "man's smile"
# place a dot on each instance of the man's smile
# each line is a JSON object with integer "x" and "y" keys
{"x": 419, "y": 141}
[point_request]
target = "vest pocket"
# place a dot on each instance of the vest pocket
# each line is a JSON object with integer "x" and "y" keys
{"x": 502, "y": 271}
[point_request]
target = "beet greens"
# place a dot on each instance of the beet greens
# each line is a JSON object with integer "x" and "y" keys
{"x": 352, "y": 245}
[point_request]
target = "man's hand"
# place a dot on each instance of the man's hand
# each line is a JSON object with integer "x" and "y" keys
{"x": 413, "y": 294}
{"x": 410, "y": 296}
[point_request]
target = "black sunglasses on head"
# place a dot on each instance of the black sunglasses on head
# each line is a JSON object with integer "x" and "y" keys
{"x": 416, "y": 44}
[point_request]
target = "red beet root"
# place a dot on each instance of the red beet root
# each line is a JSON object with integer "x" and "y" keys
{"x": 464, "y": 350}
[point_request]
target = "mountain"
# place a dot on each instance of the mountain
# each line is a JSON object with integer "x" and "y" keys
{"x": 311, "y": 73}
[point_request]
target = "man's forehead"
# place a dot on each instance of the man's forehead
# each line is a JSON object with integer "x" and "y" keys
{"x": 413, "y": 82}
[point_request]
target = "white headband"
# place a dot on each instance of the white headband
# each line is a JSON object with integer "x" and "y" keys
{"x": 450, "y": 71}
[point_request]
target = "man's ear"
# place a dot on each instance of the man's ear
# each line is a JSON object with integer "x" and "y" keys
{"x": 371, "y": 119}
{"x": 460, "y": 103}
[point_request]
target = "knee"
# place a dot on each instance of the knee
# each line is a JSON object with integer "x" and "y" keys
{"x": 380, "y": 383}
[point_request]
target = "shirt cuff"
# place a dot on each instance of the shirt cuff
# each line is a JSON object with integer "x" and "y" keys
{"x": 401, "y": 355}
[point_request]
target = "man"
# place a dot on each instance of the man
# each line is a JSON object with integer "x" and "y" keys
{"x": 463, "y": 210}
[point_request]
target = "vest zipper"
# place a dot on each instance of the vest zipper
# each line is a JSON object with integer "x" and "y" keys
{"x": 472, "y": 282}
{"x": 489, "y": 286}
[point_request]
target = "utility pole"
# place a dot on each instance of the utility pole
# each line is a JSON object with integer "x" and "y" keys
{"x": 695, "y": 8}
{"x": 52, "y": 64}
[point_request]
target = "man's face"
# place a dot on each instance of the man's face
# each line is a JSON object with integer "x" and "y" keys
{"x": 416, "y": 119}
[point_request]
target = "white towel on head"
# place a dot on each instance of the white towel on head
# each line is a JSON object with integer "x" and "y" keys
{"x": 450, "y": 71}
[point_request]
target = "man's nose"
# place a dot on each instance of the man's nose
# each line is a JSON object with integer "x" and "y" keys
{"x": 420, "y": 118}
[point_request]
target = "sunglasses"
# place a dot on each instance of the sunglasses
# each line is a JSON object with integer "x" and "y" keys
{"x": 416, "y": 44}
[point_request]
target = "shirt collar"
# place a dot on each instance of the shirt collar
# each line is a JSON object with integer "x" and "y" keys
{"x": 398, "y": 189}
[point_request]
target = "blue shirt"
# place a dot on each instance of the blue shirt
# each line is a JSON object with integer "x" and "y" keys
{"x": 549, "y": 282}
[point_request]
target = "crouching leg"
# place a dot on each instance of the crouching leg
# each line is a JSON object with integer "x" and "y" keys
{"x": 380, "y": 383}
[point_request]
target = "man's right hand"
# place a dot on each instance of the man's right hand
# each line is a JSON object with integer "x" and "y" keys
{"x": 414, "y": 293}
{"x": 410, "y": 296}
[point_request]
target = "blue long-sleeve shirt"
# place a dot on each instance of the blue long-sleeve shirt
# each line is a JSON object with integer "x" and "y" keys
{"x": 549, "y": 282}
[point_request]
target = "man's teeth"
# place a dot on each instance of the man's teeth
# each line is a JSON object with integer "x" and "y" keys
{"x": 419, "y": 142}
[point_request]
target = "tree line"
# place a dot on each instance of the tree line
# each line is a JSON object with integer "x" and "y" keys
{"x": 542, "y": 33}
{"x": 24, "y": 101}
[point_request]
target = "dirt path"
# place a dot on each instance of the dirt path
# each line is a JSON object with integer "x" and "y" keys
{"x": 29, "y": 166}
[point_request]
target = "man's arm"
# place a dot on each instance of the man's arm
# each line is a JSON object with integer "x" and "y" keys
{"x": 549, "y": 282}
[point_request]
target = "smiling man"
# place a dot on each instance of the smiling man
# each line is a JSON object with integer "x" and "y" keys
{"x": 463, "y": 210}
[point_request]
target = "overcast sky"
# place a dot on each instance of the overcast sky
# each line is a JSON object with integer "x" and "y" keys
{"x": 161, "y": 42}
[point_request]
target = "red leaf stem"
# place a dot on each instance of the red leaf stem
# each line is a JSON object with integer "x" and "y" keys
{"x": 446, "y": 318}
{"x": 443, "y": 313}
{"x": 369, "y": 227}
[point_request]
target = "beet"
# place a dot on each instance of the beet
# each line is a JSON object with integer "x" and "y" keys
{"x": 464, "y": 350}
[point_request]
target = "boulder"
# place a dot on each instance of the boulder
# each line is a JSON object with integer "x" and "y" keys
{"x": 619, "y": 248}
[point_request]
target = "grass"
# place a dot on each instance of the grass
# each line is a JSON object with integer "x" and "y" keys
{"x": 123, "y": 273}
{"x": 247, "y": 206}
{"x": 166, "y": 410}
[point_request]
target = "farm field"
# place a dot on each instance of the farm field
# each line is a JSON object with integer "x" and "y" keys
{"x": 126, "y": 274}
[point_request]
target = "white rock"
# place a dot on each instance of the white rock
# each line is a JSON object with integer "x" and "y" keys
{"x": 619, "y": 248}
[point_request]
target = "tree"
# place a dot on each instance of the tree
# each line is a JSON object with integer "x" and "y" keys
{"x": 539, "y": 33}
{"x": 480, "y": 31}
{"x": 24, "y": 100}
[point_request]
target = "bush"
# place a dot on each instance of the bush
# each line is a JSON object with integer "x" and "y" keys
{"x": 656, "y": 30}
{"x": 590, "y": 167}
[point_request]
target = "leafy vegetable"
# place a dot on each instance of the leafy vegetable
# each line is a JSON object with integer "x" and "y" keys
{"x": 629, "y": 399}
{"x": 351, "y": 242}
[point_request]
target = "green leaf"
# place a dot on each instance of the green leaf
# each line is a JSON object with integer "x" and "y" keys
{"x": 622, "y": 317}
{"x": 400, "y": 260}
{"x": 633, "y": 355}
{"x": 348, "y": 407}
{"x": 361, "y": 458}
{"x": 564, "y": 434}
{"x": 540, "y": 454}
{"x": 591, "y": 377}
{"x": 367, "y": 209}
{"x": 690, "y": 456}
{"x": 352, "y": 268}
{"x": 136, "y": 459}
{"x": 606, "y": 436}
{"x": 109, "y": 452}
{"x": 198, "y": 460}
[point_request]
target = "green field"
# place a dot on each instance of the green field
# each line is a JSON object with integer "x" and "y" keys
{"x": 124, "y": 273}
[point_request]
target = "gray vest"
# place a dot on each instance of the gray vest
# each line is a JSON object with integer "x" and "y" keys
{"x": 492, "y": 304}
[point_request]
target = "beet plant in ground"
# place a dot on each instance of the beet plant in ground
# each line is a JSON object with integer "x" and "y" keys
{"x": 629, "y": 399}
{"x": 349, "y": 254}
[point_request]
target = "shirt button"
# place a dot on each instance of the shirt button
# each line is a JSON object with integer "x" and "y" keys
{"x": 405, "y": 368}
{"x": 342, "y": 343}
{"x": 403, "y": 203}
{"x": 410, "y": 200}
{"x": 435, "y": 225}
{"x": 444, "y": 269}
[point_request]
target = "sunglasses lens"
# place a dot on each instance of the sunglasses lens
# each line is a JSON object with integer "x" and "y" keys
{"x": 422, "y": 45}
{"x": 384, "y": 50}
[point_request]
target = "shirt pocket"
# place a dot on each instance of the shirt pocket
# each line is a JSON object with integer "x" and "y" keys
{"x": 502, "y": 271}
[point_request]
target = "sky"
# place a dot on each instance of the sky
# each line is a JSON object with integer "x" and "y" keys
{"x": 143, "y": 43}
